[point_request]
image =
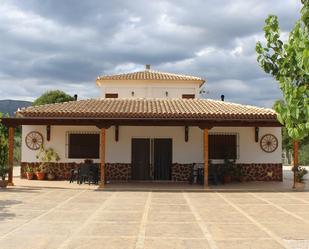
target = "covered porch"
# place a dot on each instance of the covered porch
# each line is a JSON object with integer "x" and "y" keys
{"x": 103, "y": 125}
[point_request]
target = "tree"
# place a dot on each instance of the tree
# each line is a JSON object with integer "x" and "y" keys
{"x": 51, "y": 97}
{"x": 288, "y": 63}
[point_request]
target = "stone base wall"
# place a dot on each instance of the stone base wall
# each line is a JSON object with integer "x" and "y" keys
{"x": 262, "y": 172}
{"x": 180, "y": 172}
{"x": 118, "y": 171}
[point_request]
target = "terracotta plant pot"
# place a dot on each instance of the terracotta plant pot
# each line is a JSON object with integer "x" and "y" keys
{"x": 227, "y": 179}
{"x": 40, "y": 175}
{"x": 51, "y": 176}
{"x": 29, "y": 176}
{"x": 300, "y": 186}
{"x": 3, "y": 184}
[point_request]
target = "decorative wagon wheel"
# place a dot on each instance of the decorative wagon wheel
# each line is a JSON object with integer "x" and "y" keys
{"x": 34, "y": 140}
{"x": 269, "y": 143}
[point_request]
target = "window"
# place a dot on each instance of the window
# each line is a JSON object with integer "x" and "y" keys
{"x": 111, "y": 95}
{"x": 222, "y": 146}
{"x": 84, "y": 146}
{"x": 188, "y": 96}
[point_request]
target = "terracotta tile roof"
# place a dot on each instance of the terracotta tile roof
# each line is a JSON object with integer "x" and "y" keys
{"x": 150, "y": 75}
{"x": 199, "y": 109}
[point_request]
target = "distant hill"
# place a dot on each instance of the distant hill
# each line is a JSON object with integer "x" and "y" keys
{"x": 11, "y": 106}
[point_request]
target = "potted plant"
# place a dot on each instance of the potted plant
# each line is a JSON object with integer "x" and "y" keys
{"x": 46, "y": 157}
{"x": 29, "y": 173}
{"x": 39, "y": 173}
{"x": 4, "y": 168}
{"x": 300, "y": 172}
{"x": 228, "y": 170}
{"x": 238, "y": 173}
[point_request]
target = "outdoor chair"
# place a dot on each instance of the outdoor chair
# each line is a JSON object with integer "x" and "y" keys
{"x": 74, "y": 174}
{"x": 84, "y": 173}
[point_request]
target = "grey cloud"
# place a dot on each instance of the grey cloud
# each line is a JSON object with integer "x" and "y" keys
{"x": 66, "y": 44}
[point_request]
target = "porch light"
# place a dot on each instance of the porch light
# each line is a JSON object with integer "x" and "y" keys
{"x": 132, "y": 93}
{"x": 257, "y": 129}
{"x": 166, "y": 94}
{"x": 48, "y": 132}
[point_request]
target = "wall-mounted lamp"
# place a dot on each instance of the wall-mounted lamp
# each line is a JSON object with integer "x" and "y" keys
{"x": 186, "y": 133}
{"x": 166, "y": 94}
{"x": 132, "y": 93}
{"x": 256, "y": 129}
{"x": 48, "y": 132}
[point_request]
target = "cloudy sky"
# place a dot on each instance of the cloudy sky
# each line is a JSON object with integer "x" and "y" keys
{"x": 66, "y": 44}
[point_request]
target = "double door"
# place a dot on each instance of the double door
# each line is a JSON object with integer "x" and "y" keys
{"x": 151, "y": 159}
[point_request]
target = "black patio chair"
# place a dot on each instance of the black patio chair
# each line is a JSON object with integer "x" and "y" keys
{"x": 84, "y": 173}
{"x": 74, "y": 174}
{"x": 94, "y": 174}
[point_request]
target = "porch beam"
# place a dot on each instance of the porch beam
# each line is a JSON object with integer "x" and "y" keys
{"x": 102, "y": 157}
{"x": 11, "y": 156}
{"x": 206, "y": 158}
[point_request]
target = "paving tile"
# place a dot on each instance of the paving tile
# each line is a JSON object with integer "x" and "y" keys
{"x": 169, "y": 208}
{"x": 248, "y": 244}
{"x": 123, "y": 207}
{"x": 110, "y": 229}
{"x": 176, "y": 244}
{"x": 181, "y": 230}
{"x": 240, "y": 231}
{"x": 155, "y": 216}
{"x": 31, "y": 242}
{"x": 102, "y": 243}
{"x": 8, "y": 226}
{"x": 293, "y": 231}
{"x": 46, "y": 229}
{"x": 225, "y": 218}
{"x": 167, "y": 195}
{"x": 295, "y": 208}
{"x": 65, "y": 216}
{"x": 286, "y": 201}
{"x": 118, "y": 216}
{"x": 174, "y": 201}
{"x": 249, "y": 200}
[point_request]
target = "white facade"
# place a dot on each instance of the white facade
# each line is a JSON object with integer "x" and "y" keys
{"x": 149, "y": 89}
{"x": 183, "y": 152}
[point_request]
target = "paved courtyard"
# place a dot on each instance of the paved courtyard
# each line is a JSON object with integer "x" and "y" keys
{"x": 51, "y": 217}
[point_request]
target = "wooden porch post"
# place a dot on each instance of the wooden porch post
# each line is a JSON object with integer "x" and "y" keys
{"x": 11, "y": 156}
{"x": 102, "y": 157}
{"x": 205, "y": 158}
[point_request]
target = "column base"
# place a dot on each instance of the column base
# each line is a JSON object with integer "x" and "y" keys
{"x": 11, "y": 184}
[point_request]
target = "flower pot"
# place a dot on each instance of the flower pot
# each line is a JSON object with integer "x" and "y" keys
{"x": 227, "y": 179}
{"x": 3, "y": 184}
{"x": 40, "y": 175}
{"x": 300, "y": 186}
{"x": 29, "y": 176}
{"x": 51, "y": 176}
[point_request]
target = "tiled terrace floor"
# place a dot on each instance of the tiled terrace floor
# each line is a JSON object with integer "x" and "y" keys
{"x": 37, "y": 217}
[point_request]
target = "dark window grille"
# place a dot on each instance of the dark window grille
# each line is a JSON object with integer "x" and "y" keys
{"x": 188, "y": 96}
{"x": 111, "y": 95}
{"x": 222, "y": 146}
{"x": 84, "y": 146}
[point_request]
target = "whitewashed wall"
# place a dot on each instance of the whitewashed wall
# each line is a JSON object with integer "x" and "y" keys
{"x": 149, "y": 89}
{"x": 183, "y": 152}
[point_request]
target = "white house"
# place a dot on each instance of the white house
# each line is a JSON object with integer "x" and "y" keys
{"x": 152, "y": 126}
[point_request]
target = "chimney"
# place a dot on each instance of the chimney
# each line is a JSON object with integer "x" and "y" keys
{"x": 75, "y": 97}
{"x": 222, "y": 97}
{"x": 147, "y": 66}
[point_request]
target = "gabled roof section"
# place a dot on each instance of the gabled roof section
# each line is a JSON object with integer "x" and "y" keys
{"x": 150, "y": 75}
{"x": 169, "y": 109}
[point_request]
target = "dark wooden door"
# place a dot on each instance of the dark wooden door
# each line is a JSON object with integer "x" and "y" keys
{"x": 162, "y": 159}
{"x": 140, "y": 159}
